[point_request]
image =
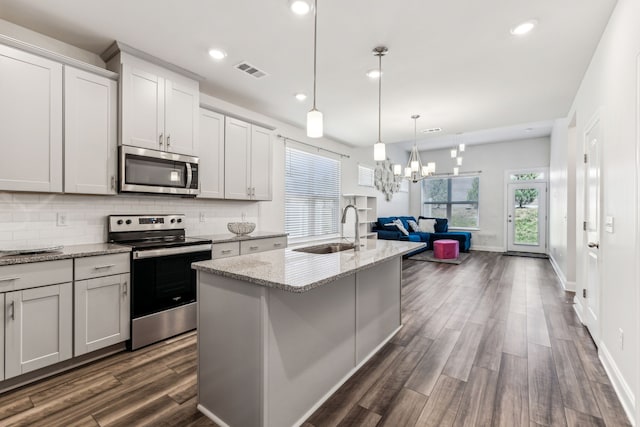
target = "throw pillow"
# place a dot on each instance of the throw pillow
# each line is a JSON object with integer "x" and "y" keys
{"x": 413, "y": 225}
{"x": 427, "y": 225}
{"x": 400, "y": 226}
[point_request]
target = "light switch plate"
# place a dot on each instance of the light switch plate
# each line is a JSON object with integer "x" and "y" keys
{"x": 608, "y": 224}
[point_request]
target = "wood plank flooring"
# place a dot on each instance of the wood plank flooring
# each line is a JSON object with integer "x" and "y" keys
{"x": 490, "y": 342}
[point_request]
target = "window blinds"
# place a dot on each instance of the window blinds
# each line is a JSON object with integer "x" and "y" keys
{"x": 312, "y": 194}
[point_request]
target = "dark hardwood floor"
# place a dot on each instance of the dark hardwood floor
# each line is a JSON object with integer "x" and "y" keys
{"x": 491, "y": 342}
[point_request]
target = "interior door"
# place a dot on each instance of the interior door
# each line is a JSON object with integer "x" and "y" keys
{"x": 593, "y": 142}
{"x": 527, "y": 217}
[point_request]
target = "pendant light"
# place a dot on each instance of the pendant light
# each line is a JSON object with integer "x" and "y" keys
{"x": 415, "y": 171}
{"x": 379, "y": 152}
{"x": 314, "y": 117}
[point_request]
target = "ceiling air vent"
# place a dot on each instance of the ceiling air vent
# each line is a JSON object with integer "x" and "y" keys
{"x": 249, "y": 69}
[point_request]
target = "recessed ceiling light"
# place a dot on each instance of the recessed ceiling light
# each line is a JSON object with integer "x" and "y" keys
{"x": 218, "y": 54}
{"x": 432, "y": 130}
{"x": 299, "y": 7}
{"x": 301, "y": 96}
{"x": 373, "y": 74}
{"x": 524, "y": 28}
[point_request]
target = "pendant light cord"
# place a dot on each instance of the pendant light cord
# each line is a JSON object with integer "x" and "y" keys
{"x": 315, "y": 50}
{"x": 379, "y": 96}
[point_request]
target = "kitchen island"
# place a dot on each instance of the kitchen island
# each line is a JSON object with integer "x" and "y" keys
{"x": 280, "y": 331}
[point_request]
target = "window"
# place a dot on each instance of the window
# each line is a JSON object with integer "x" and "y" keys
{"x": 454, "y": 198}
{"x": 312, "y": 194}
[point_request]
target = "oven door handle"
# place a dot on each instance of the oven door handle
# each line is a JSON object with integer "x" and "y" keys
{"x": 154, "y": 253}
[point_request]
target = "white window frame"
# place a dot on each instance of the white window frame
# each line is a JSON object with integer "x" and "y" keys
{"x": 448, "y": 202}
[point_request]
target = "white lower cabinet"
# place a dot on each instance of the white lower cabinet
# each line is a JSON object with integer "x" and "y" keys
{"x": 2, "y": 337}
{"x": 101, "y": 312}
{"x": 38, "y": 328}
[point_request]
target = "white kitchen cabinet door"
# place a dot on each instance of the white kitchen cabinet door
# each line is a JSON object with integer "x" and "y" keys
{"x": 142, "y": 112}
{"x": 2, "y": 313}
{"x": 90, "y": 126}
{"x": 38, "y": 328}
{"x": 211, "y": 150}
{"x": 261, "y": 148}
{"x": 101, "y": 312}
{"x": 182, "y": 108}
{"x": 237, "y": 145}
{"x": 30, "y": 122}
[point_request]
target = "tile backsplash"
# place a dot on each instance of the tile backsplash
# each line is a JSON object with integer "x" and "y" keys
{"x": 30, "y": 219}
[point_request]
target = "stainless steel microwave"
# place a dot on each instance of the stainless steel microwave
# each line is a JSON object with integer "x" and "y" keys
{"x": 151, "y": 171}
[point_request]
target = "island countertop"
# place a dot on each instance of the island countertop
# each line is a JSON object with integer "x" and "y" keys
{"x": 293, "y": 271}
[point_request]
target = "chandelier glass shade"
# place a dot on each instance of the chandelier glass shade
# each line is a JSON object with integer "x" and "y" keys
{"x": 415, "y": 170}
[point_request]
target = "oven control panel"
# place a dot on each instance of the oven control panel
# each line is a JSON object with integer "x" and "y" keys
{"x": 120, "y": 223}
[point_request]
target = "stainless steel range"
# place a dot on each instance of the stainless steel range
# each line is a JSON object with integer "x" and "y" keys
{"x": 163, "y": 285}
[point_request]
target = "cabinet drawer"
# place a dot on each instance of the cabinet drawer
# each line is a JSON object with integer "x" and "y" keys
{"x": 31, "y": 275}
{"x": 103, "y": 265}
{"x": 261, "y": 245}
{"x": 224, "y": 250}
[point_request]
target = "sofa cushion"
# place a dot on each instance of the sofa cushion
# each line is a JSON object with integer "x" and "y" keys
{"x": 382, "y": 221}
{"x": 442, "y": 224}
{"x": 405, "y": 220}
{"x": 413, "y": 226}
{"x": 398, "y": 223}
{"x": 427, "y": 225}
{"x": 424, "y": 237}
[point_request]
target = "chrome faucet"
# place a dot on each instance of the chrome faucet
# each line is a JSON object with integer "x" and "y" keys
{"x": 344, "y": 220}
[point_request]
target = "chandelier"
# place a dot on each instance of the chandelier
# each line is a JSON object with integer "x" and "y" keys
{"x": 415, "y": 171}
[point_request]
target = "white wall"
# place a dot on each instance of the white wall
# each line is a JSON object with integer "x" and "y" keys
{"x": 610, "y": 89}
{"x": 493, "y": 160}
{"x": 399, "y": 203}
{"x": 562, "y": 202}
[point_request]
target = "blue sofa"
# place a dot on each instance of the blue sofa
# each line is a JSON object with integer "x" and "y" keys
{"x": 390, "y": 232}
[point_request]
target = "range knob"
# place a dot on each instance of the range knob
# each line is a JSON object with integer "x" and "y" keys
{"x": 128, "y": 222}
{"x": 120, "y": 222}
{"x": 179, "y": 220}
{"x": 173, "y": 220}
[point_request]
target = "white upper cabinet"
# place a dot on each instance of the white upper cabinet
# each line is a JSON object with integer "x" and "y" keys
{"x": 261, "y": 148}
{"x": 30, "y": 122}
{"x": 159, "y": 108}
{"x": 237, "y": 176}
{"x": 247, "y": 161}
{"x": 211, "y": 148}
{"x": 90, "y": 118}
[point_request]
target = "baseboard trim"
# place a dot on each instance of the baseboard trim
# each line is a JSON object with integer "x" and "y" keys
{"x": 620, "y": 386}
{"x": 487, "y": 248}
{"x": 577, "y": 307}
{"x": 207, "y": 413}
{"x": 560, "y": 274}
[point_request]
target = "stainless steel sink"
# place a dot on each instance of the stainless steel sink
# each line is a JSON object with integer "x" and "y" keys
{"x": 327, "y": 248}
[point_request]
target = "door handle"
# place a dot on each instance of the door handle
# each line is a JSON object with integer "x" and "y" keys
{"x": 594, "y": 245}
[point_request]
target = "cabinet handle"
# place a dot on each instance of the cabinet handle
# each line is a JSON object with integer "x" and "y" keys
{"x": 161, "y": 139}
{"x": 8, "y": 279}
{"x": 168, "y": 140}
{"x": 248, "y": 191}
{"x": 13, "y": 310}
{"x": 113, "y": 182}
{"x": 277, "y": 245}
{"x": 226, "y": 251}
{"x": 124, "y": 289}
{"x": 254, "y": 248}
{"x": 102, "y": 267}
{"x": 253, "y": 191}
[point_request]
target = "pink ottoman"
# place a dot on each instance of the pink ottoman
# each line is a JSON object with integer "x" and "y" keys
{"x": 446, "y": 249}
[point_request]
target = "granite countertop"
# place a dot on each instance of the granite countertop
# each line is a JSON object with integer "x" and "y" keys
{"x": 67, "y": 252}
{"x": 293, "y": 271}
{"x": 230, "y": 237}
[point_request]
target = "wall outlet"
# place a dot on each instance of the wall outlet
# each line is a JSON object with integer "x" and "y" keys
{"x": 61, "y": 219}
{"x": 203, "y": 217}
{"x": 621, "y": 338}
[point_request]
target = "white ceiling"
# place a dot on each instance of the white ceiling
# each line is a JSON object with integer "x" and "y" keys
{"x": 453, "y": 62}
